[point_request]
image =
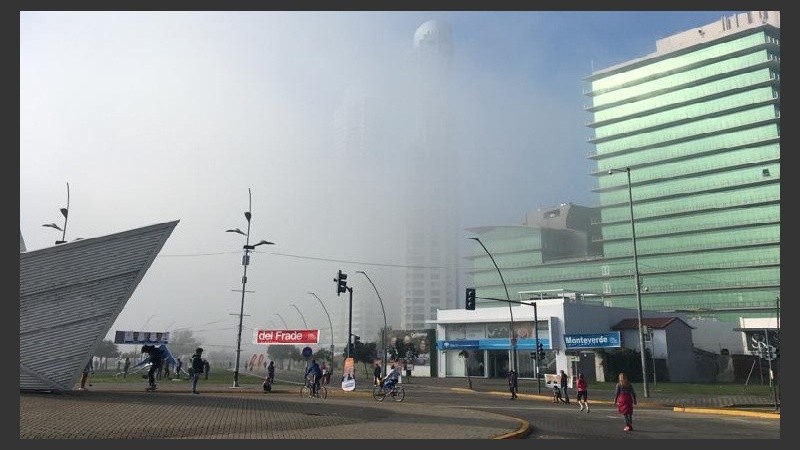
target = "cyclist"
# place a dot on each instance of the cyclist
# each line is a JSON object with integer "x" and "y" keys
{"x": 391, "y": 378}
{"x": 316, "y": 372}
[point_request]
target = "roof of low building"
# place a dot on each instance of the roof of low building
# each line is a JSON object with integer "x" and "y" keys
{"x": 654, "y": 322}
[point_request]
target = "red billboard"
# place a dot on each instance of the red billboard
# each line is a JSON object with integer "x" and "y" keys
{"x": 285, "y": 337}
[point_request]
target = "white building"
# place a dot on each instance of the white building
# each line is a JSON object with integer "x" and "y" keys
{"x": 571, "y": 330}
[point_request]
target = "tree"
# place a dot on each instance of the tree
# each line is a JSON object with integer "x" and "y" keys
{"x": 183, "y": 343}
{"x": 365, "y": 353}
{"x": 279, "y": 353}
{"x": 323, "y": 355}
{"x": 619, "y": 360}
{"x": 107, "y": 349}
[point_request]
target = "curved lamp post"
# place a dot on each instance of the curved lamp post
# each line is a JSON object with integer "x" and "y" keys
{"x": 284, "y": 322}
{"x": 329, "y": 323}
{"x": 305, "y": 324}
{"x": 65, "y": 213}
{"x": 245, "y": 262}
{"x": 383, "y": 334}
{"x": 510, "y": 331}
{"x": 637, "y": 281}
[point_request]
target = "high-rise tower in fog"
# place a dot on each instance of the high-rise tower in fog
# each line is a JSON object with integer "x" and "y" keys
{"x": 431, "y": 175}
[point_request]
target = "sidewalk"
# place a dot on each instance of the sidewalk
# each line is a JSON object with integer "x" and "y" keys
{"x": 126, "y": 411}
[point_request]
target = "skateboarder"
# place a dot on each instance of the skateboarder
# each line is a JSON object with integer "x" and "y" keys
{"x": 156, "y": 359}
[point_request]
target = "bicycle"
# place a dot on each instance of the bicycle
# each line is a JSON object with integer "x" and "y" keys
{"x": 307, "y": 391}
{"x": 397, "y": 392}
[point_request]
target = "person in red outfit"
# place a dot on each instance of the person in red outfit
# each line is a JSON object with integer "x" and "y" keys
{"x": 625, "y": 398}
{"x": 583, "y": 393}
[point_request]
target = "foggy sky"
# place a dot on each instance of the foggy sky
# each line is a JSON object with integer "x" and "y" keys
{"x": 157, "y": 116}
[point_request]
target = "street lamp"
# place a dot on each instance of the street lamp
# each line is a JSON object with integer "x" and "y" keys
{"x": 305, "y": 324}
{"x": 329, "y": 323}
{"x": 65, "y": 213}
{"x": 284, "y": 322}
{"x": 146, "y": 322}
{"x": 636, "y": 280}
{"x": 511, "y": 331}
{"x": 245, "y": 262}
{"x": 383, "y": 334}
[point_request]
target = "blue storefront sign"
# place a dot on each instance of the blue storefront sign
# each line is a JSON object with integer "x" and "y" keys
{"x": 505, "y": 344}
{"x": 458, "y": 344}
{"x": 595, "y": 340}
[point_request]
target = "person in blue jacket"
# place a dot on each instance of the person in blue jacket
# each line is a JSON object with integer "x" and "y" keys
{"x": 156, "y": 356}
{"x": 316, "y": 372}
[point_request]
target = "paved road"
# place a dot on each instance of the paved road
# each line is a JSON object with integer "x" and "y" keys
{"x": 434, "y": 408}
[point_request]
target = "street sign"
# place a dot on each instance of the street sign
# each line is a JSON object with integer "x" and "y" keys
{"x": 307, "y": 352}
{"x": 285, "y": 337}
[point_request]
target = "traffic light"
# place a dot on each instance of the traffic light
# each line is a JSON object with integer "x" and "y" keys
{"x": 470, "y": 305}
{"x": 341, "y": 283}
{"x": 540, "y": 352}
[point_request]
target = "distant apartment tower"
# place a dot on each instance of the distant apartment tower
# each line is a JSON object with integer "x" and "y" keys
{"x": 350, "y": 124}
{"x": 431, "y": 202}
{"x": 355, "y": 142}
{"x": 697, "y": 122}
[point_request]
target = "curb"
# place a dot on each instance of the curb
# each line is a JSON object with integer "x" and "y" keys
{"x": 729, "y": 412}
{"x": 521, "y": 432}
{"x": 697, "y": 410}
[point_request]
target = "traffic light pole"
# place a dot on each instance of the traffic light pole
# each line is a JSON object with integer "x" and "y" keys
{"x": 511, "y": 332}
{"x": 535, "y": 331}
{"x": 350, "y": 322}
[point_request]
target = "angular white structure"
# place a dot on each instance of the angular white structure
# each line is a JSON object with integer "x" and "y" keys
{"x": 69, "y": 297}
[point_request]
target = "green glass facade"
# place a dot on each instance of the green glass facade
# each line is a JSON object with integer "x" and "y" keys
{"x": 699, "y": 129}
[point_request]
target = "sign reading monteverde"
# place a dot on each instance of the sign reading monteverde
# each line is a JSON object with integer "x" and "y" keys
{"x": 596, "y": 340}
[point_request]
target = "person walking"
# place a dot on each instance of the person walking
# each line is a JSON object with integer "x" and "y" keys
{"x": 512, "y": 383}
{"x": 564, "y": 383}
{"x": 206, "y": 368}
{"x": 178, "y": 368}
{"x": 197, "y": 368}
{"x": 126, "y": 367}
{"x": 324, "y": 369}
{"x": 89, "y": 367}
{"x": 271, "y": 371}
{"x": 267, "y": 385}
{"x": 376, "y": 374}
{"x": 625, "y": 398}
{"x": 583, "y": 393}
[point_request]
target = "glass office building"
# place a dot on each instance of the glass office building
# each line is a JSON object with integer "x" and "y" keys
{"x": 691, "y": 133}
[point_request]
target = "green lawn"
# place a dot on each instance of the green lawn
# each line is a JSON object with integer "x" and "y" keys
{"x": 216, "y": 376}
{"x": 224, "y": 377}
